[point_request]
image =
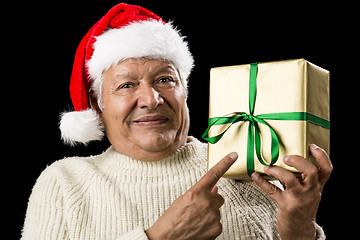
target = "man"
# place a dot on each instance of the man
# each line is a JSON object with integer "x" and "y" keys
{"x": 130, "y": 79}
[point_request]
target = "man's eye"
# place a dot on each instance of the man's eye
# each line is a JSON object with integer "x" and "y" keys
{"x": 125, "y": 85}
{"x": 165, "y": 82}
{"x": 165, "y": 79}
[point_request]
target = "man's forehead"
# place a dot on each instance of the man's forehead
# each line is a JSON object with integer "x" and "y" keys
{"x": 134, "y": 68}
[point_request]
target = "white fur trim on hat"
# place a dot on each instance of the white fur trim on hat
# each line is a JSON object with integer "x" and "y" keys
{"x": 81, "y": 127}
{"x": 151, "y": 39}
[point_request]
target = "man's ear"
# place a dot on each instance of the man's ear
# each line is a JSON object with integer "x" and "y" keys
{"x": 93, "y": 102}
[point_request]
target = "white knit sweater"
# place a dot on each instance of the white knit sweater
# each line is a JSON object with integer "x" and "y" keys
{"x": 111, "y": 196}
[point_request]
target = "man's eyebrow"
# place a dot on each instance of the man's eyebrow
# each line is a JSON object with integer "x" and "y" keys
{"x": 163, "y": 69}
{"x": 127, "y": 76}
{"x": 156, "y": 71}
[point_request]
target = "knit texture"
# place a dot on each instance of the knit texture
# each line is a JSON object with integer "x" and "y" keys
{"x": 112, "y": 196}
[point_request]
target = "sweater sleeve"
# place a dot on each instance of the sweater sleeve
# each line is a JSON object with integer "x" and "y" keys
{"x": 136, "y": 234}
{"x": 44, "y": 215}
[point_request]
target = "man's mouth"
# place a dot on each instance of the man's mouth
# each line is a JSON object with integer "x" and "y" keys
{"x": 151, "y": 120}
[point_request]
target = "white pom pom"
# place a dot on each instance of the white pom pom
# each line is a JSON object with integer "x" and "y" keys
{"x": 81, "y": 127}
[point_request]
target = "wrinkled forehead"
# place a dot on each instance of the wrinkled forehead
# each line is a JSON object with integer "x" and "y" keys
{"x": 139, "y": 68}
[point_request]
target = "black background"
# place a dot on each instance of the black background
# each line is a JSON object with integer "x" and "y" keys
{"x": 40, "y": 44}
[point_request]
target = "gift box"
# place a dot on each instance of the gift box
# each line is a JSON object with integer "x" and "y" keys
{"x": 265, "y": 111}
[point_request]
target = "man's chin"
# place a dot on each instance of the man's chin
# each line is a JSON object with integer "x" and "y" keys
{"x": 156, "y": 142}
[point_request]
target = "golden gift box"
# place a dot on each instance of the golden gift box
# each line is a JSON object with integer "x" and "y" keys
{"x": 265, "y": 111}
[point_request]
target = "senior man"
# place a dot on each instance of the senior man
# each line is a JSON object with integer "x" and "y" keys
{"x": 130, "y": 79}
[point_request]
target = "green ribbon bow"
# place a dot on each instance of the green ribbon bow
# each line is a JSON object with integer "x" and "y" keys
{"x": 253, "y": 129}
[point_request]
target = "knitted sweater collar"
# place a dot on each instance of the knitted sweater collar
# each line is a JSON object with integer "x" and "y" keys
{"x": 189, "y": 156}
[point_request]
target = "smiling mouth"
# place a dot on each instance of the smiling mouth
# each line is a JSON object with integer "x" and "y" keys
{"x": 152, "y": 120}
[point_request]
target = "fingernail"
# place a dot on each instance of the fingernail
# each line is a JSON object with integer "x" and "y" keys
{"x": 286, "y": 159}
{"x": 233, "y": 156}
{"x": 266, "y": 168}
{"x": 255, "y": 176}
{"x": 313, "y": 146}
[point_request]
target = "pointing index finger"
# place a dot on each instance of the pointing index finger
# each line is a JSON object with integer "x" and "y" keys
{"x": 209, "y": 180}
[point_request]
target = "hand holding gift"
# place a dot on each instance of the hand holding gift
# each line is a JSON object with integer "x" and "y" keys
{"x": 299, "y": 202}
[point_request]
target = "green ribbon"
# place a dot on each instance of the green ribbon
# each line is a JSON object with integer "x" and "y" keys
{"x": 254, "y": 137}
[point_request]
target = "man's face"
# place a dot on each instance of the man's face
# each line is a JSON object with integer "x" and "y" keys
{"x": 145, "y": 110}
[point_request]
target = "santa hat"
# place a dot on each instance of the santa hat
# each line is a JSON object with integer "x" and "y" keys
{"x": 126, "y": 31}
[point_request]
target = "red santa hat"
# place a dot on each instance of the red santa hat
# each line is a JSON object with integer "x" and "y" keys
{"x": 126, "y": 31}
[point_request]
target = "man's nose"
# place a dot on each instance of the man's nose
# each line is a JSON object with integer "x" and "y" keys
{"x": 149, "y": 97}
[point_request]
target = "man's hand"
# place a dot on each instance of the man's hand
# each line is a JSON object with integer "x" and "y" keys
{"x": 196, "y": 214}
{"x": 299, "y": 202}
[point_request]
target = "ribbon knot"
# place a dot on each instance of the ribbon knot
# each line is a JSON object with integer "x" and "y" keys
{"x": 249, "y": 117}
{"x": 254, "y": 137}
